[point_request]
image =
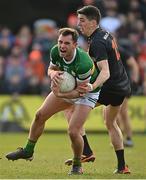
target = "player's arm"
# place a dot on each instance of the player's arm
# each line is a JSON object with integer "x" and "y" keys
{"x": 103, "y": 75}
{"x": 76, "y": 93}
{"x": 131, "y": 61}
{"x": 54, "y": 73}
{"x": 101, "y": 60}
{"x": 82, "y": 79}
{"x": 68, "y": 95}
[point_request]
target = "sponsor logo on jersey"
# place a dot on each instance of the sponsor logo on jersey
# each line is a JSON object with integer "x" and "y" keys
{"x": 73, "y": 73}
{"x": 65, "y": 68}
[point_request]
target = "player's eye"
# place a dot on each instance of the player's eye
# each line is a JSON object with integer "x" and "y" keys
{"x": 59, "y": 41}
{"x": 67, "y": 43}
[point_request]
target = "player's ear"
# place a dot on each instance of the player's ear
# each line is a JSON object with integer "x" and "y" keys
{"x": 75, "y": 44}
{"x": 94, "y": 22}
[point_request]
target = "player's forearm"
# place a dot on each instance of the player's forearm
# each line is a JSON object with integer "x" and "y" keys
{"x": 52, "y": 70}
{"x": 102, "y": 77}
{"x": 134, "y": 69}
{"x": 69, "y": 95}
{"x": 135, "y": 73}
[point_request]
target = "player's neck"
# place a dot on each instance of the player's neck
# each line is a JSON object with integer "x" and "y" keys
{"x": 91, "y": 31}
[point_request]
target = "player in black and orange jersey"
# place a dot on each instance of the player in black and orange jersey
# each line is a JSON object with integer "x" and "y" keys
{"x": 112, "y": 79}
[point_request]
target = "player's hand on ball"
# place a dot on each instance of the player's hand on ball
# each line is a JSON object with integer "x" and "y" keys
{"x": 84, "y": 87}
{"x": 55, "y": 74}
{"x": 55, "y": 88}
{"x": 56, "y": 79}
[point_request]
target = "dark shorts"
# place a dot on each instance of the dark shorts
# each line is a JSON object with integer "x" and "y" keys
{"x": 107, "y": 98}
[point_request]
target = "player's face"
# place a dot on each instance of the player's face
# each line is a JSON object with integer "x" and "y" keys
{"x": 85, "y": 25}
{"x": 66, "y": 46}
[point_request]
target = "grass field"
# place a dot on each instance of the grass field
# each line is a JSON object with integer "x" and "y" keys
{"x": 53, "y": 149}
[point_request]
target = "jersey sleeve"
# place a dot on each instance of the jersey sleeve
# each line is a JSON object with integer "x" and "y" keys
{"x": 84, "y": 76}
{"x": 99, "y": 50}
{"x": 84, "y": 71}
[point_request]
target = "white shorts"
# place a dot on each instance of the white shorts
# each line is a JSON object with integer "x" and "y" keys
{"x": 90, "y": 99}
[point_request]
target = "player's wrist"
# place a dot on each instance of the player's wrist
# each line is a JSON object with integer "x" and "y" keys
{"x": 90, "y": 87}
{"x": 59, "y": 94}
{"x": 78, "y": 93}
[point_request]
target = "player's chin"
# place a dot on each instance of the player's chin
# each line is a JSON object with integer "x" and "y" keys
{"x": 62, "y": 54}
{"x": 82, "y": 31}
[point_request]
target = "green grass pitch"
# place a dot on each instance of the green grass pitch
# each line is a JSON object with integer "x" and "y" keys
{"x": 53, "y": 149}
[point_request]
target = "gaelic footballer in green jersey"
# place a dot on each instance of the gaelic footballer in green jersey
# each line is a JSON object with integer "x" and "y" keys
{"x": 81, "y": 65}
{"x": 65, "y": 57}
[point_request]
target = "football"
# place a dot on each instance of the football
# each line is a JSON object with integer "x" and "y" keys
{"x": 68, "y": 82}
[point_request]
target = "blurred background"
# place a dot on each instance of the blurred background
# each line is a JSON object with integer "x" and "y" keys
{"x": 28, "y": 30}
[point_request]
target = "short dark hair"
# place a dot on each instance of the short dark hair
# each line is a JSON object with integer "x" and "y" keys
{"x": 69, "y": 31}
{"x": 91, "y": 12}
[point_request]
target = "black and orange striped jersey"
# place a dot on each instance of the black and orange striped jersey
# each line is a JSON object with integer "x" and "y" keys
{"x": 103, "y": 46}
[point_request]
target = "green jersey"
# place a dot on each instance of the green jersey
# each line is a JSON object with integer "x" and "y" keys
{"x": 81, "y": 66}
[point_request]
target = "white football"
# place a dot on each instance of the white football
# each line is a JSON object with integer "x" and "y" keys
{"x": 68, "y": 83}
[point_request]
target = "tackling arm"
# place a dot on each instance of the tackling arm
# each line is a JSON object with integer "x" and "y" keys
{"x": 103, "y": 75}
{"x": 76, "y": 93}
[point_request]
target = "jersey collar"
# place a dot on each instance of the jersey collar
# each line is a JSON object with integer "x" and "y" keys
{"x": 92, "y": 35}
{"x": 69, "y": 62}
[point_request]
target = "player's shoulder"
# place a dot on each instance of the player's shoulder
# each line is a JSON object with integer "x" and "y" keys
{"x": 54, "y": 53}
{"x": 84, "y": 61}
{"x": 54, "y": 49}
{"x": 82, "y": 54}
{"x": 80, "y": 50}
{"x": 102, "y": 36}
